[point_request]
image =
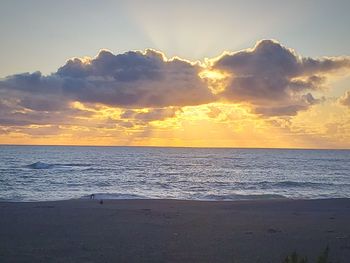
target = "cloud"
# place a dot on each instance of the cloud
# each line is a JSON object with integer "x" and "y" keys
{"x": 13, "y": 112}
{"x": 150, "y": 114}
{"x": 273, "y": 78}
{"x": 345, "y": 100}
{"x": 134, "y": 79}
{"x": 213, "y": 112}
{"x": 147, "y": 86}
{"x": 303, "y": 103}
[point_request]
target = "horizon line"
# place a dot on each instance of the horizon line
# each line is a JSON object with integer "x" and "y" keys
{"x": 157, "y": 146}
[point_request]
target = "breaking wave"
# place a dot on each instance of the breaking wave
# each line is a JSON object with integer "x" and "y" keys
{"x": 116, "y": 196}
{"x": 233, "y": 197}
{"x": 40, "y": 165}
{"x": 43, "y": 165}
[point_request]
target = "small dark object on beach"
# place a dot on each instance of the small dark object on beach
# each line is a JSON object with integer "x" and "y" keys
{"x": 92, "y": 196}
{"x": 101, "y": 202}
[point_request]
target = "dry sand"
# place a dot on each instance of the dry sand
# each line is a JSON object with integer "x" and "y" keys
{"x": 173, "y": 231}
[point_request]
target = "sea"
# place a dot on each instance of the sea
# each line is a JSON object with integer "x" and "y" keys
{"x": 46, "y": 173}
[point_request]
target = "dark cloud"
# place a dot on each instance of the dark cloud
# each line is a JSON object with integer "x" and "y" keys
{"x": 13, "y": 113}
{"x": 14, "y": 122}
{"x": 303, "y": 103}
{"x": 280, "y": 111}
{"x": 133, "y": 79}
{"x": 345, "y": 100}
{"x": 274, "y": 79}
{"x": 43, "y": 103}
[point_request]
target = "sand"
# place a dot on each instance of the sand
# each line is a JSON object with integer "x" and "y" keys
{"x": 173, "y": 231}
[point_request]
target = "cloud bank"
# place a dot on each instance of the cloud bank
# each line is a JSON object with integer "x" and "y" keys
{"x": 272, "y": 79}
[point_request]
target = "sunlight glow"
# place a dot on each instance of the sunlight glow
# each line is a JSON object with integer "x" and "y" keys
{"x": 215, "y": 79}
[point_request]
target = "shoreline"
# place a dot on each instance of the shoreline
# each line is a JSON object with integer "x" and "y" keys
{"x": 85, "y": 198}
{"x": 158, "y": 230}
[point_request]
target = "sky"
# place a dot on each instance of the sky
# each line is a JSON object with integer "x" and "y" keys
{"x": 175, "y": 73}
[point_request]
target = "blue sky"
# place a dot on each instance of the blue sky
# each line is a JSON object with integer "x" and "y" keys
{"x": 42, "y": 35}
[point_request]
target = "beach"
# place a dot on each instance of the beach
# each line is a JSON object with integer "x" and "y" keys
{"x": 173, "y": 230}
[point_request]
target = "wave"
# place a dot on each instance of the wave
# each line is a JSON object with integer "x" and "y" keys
{"x": 300, "y": 184}
{"x": 39, "y": 165}
{"x": 110, "y": 196}
{"x": 73, "y": 164}
{"x": 212, "y": 197}
{"x": 266, "y": 185}
{"x": 278, "y": 184}
{"x": 42, "y": 165}
{"x": 237, "y": 197}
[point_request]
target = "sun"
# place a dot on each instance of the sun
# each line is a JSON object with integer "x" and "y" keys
{"x": 216, "y": 80}
{"x": 212, "y": 74}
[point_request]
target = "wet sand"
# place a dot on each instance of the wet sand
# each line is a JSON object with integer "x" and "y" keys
{"x": 173, "y": 231}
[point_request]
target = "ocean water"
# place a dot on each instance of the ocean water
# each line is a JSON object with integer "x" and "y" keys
{"x": 35, "y": 173}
